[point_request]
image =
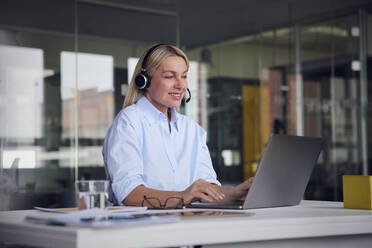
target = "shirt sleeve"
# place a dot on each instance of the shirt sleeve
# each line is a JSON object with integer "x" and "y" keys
{"x": 205, "y": 167}
{"x": 122, "y": 156}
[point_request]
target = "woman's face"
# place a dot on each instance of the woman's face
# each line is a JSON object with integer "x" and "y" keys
{"x": 168, "y": 84}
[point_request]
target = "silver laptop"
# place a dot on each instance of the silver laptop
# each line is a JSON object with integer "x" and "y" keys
{"x": 282, "y": 176}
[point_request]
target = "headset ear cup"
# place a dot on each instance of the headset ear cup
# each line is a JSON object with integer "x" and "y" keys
{"x": 148, "y": 82}
{"x": 142, "y": 81}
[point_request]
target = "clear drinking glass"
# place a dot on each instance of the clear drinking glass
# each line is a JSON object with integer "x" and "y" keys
{"x": 91, "y": 193}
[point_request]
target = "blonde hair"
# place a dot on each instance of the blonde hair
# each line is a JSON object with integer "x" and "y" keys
{"x": 153, "y": 62}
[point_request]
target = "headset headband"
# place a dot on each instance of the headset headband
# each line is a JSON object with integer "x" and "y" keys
{"x": 149, "y": 52}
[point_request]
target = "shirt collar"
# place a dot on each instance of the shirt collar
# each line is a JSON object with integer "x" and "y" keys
{"x": 152, "y": 114}
{"x": 174, "y": 118}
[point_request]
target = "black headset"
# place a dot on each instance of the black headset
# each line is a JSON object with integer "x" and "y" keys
{"x": 142, "y": 80}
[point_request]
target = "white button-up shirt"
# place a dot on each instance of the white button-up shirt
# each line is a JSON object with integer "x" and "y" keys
{"x": 140, "y": 150}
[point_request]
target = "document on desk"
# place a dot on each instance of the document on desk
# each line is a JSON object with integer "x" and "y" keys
{"x": 98, "y": 218}
{"x": 114, "y": 209}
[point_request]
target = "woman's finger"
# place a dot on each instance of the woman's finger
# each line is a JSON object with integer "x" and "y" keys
{"x": 204, "y": 197}
{"x": 216, "y": 192}
{"x": 212, "y": 193}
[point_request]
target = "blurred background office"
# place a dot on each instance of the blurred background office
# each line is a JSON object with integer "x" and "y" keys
{"x": 298, "y": 67}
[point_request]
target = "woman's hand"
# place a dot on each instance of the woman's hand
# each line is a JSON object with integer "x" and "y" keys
{"x": 240, "y": 191}
{"x": 203, "y": 191}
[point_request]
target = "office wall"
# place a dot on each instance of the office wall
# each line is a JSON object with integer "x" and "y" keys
{"x": 246, "y": 60}
{"x": 52, "y": 44}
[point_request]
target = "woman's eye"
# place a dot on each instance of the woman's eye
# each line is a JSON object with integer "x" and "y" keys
{"x": 184, "y": 76}
{"x": 168, "y": 76}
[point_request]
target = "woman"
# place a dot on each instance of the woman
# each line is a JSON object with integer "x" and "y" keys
{"x": 153, "y": 152}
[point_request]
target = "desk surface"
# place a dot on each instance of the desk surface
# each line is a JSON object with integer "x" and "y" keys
{"x": 309, "y": 220}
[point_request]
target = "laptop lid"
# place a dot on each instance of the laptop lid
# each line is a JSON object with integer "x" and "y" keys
{"x": 282, "y": 175}
{"x": 284, "y": 171}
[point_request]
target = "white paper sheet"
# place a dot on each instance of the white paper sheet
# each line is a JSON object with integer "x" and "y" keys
{"x": 97, "y": 218}
{"x": 118, "y": 209}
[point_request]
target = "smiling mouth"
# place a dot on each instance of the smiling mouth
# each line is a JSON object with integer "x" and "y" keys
{"x": 175, "y": 94}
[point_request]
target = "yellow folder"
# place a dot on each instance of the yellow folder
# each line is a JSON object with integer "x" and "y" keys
{"x": 357, "y": 191}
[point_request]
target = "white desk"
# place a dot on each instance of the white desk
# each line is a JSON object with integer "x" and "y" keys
{"x": 311, "y": 224}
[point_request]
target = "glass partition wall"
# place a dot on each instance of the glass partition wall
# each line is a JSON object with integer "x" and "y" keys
{"x": 61, "y": 87}
{"x": 332, "y": 107}
{"x": 300, "y": 80}
{"x": 37, "y": 150}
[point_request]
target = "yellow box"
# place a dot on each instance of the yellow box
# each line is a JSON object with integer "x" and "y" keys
{"x": 357, "y": 191}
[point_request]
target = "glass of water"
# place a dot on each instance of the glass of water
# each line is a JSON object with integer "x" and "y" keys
{"x": 91, "y": 193}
